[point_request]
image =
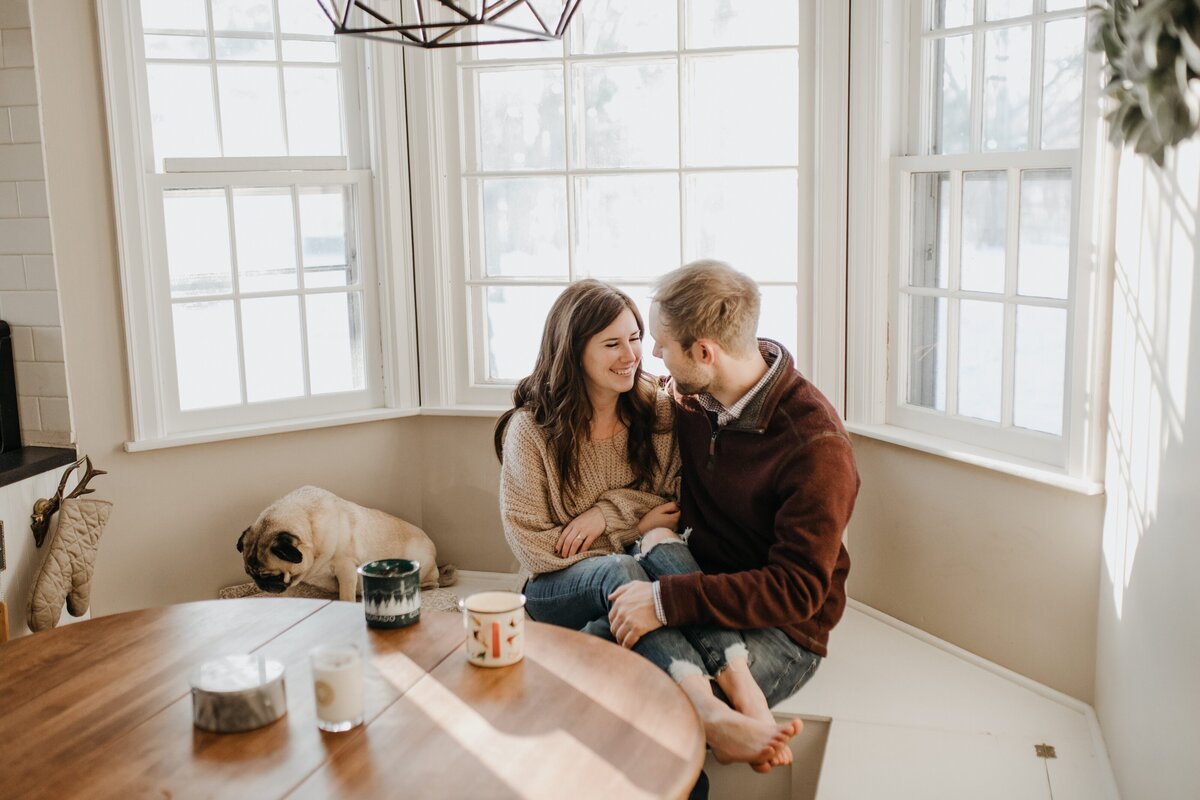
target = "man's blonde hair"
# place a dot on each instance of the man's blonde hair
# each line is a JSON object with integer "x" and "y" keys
{"x": 710, "y": 300}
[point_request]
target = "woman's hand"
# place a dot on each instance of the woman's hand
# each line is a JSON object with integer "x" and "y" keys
{"x": 578, "y": 534}
{"x": 664, "y": 516}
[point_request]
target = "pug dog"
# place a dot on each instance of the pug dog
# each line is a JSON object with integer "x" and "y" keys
{"x": 314, "y": 536}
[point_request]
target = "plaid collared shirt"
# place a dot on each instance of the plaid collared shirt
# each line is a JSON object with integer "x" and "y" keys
{"x": 771, "y": 353}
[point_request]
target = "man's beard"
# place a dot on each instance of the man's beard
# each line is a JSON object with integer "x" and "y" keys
{"x": 687, "y": 387}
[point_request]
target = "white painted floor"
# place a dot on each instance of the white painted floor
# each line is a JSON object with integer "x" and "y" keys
{"x": 903, "y": 715}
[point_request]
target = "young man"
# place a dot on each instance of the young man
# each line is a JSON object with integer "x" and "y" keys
{"x": 768, "y": 485}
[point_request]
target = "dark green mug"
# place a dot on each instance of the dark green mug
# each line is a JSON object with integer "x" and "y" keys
{"x": 391, "y": 592}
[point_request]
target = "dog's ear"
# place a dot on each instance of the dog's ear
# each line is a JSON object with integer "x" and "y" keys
{"x": 242, "y": 539}
{"x": 284, "y": 547}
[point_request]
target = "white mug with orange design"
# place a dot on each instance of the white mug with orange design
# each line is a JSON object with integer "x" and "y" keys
{"x": 495, "y": 623}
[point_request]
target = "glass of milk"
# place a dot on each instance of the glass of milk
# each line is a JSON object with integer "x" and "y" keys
{"x": 337, "y": 671}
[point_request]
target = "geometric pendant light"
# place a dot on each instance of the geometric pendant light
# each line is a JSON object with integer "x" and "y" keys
{"x": 453, "y": 23}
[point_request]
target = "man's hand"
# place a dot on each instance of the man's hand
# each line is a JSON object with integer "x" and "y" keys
{"x": 578, "y": 534}
{"x": 632, "y": 614}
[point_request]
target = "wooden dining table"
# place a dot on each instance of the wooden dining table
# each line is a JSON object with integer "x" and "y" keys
{"x": 103, "y": 708}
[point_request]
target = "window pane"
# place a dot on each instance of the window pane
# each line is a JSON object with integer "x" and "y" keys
{"x": 1062, "y": 82}
{"x": 1044, "y": 254}
{"x": 980, "y": 359}
{"x": 323, "y": 238}
{"x": 181, "y": 110}
{"x": 777, "y": 318}
{"x": 1005, "y": 9}
{"x": 314, "y": 119}
{"x": 1062, "y": 5}
{"x": 525, "y": 227}
{"x": 950, "y": 127}
{"x": 294, "y": 50}
{"x": 521, "y": 119}
{"x": 1006, "y": 89}
{"x": 240, "y": 49}
{"x": 242, "y": 15}
{"x": 629, "y": 114}
{"x": 742, "y": 23}
{"x": 930, "y": 229}
{"x": 1040, "y": 372}
{"x": 266, "y": 243}
{"x": 748, "y": 219}
{"x": 625, "y": 26}
{"x": 196, "y": 225}
{"x": 335, "y": 342}
{"x": 927, "y": 352}
{"x": 177, "y": 47}
{"x": 206, "y": 358}
{"x": 250, "y": 118}
{"x": 302, "y": 16}
{"x": 627, "y": 225}
{"x": 743, "y": 110}
{"x": 174, "y": 14}
{"x": 953, "y": 13}
{"x": 271, "y": 342}
{"x": 984, "y": 231}
{"x": 515, "y": 317}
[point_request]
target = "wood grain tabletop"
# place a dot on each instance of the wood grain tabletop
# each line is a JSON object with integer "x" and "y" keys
{"x": 102, "y": 708}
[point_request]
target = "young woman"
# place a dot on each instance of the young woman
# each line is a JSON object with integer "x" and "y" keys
{"x": 589, "y": 465}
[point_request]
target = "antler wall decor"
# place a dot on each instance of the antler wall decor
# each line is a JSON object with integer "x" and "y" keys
{"x": 43, "y": 509}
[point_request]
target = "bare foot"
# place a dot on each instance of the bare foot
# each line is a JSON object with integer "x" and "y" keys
{"x": 747, "y": 697}
{"x": 733, "y": 736}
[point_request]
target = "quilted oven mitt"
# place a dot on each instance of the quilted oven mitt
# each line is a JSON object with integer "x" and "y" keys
{"x": 66, "y": 574}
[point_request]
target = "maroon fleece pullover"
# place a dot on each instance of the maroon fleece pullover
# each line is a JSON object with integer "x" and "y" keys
{"x": 767, "y": 498}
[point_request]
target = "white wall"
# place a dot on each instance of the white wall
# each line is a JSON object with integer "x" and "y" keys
{"x": 28, "y": 300}
{"x": 1148, "y": 656}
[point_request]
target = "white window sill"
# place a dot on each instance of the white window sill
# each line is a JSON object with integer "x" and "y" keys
{"x": 977, "y": 456}
{"x": 266, "y": 429}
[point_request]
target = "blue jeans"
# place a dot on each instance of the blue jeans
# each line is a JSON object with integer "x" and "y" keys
{"x": 577, "y": 597}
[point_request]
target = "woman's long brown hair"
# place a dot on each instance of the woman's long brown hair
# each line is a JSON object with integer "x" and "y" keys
{"x": 555, "y": 393}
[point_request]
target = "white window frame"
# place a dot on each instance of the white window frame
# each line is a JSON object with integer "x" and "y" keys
{"x": 885, "y": 72}
{"x": 376, "y": 166}
{"x": 441, "y": 240}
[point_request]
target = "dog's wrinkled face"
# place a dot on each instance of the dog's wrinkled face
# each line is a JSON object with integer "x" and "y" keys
{"x": 273, "y": 558}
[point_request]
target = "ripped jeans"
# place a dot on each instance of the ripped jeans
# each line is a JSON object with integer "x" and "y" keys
{"x": 577, "y": 597}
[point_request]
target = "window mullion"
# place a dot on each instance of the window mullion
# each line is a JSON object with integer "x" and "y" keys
{"x": 680, "y": 110}
{"x": 953, "y": 284}
{"x": 977, "y": 80}
{"x": 278, "y": 42}
{"x": 298, "y": 244}
{"x": 237, "y": 291}
{"x": 1037, "y": 71}
{"x": 216, "y": 84}
{"x": 1009, "y": 361}
{"x": 569, "y": 156}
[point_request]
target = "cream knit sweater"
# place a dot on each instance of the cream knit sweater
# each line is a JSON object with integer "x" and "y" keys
{"x": 534, "y": 510}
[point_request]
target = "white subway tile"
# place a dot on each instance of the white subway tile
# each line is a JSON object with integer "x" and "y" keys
{"x": 39, "y": 273}
{"x": 12, "y": 274}
{"x": 32, "y": 197}
{"x": 22, "y": 342}
{"x": 5, "y": 128}
{"x": 18, "y": 87}
{"x": 41, "y": 379}
{"x": 14, "y": 13}
{"x": 9, "y": 206}
{"x": 47, "y": 344}
{"x": 56, "y": 413}
{"x": 17, "y": 47}
{"x": 21, "y": 162}
{"x": 25, "y": 236}
{"x": 30, "y": 308}
{"x": 48, "y": 438}
{"x": 27, "y": 410}
{"x": 26, "y": 126}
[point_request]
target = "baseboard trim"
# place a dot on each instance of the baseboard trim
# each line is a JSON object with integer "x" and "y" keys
{"x": 1017, "y": 678}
